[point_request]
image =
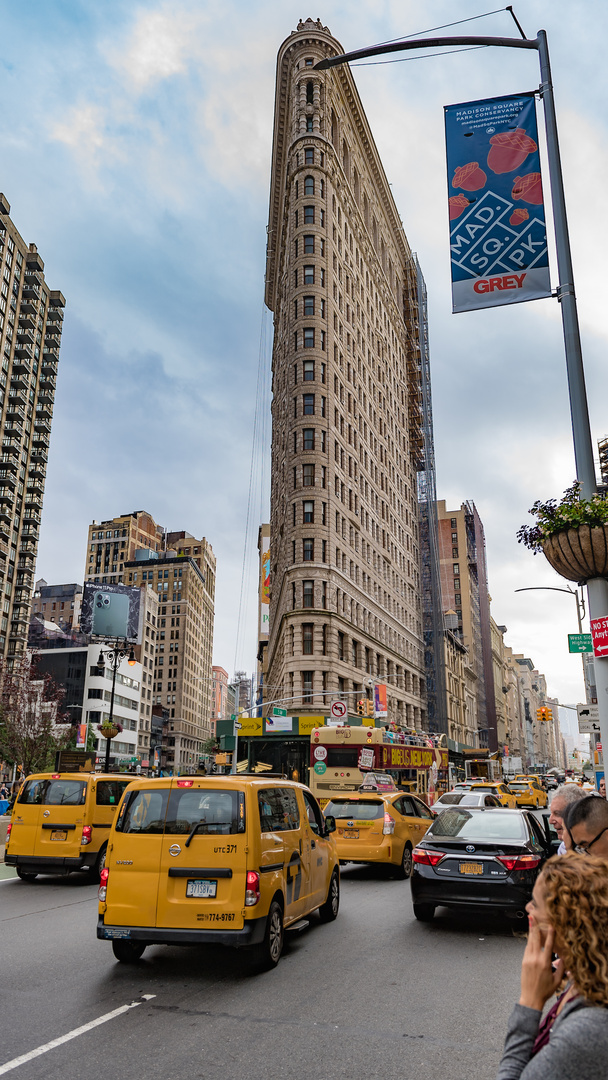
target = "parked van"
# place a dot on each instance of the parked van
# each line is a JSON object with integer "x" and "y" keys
{"x": 234, "y": 860}
{"x": 61, "y": 822}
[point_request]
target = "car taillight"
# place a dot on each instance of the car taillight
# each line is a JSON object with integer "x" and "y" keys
{"x": 252, "y": 891}
{"x": 103, "y": 884}
{"x": 389, "y": 825}
{"x": 426, "y": 856}
{"x": 519, "y": 862}
{"x": 86, "y": 835}
{"x": 8, "y": 830}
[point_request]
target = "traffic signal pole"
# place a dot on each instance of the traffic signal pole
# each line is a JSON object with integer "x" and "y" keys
{"x": 597, "y": 588}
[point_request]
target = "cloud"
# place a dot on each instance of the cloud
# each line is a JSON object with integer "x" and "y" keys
{"x": 84, "y": 132}
{"x": 159, "y": 46}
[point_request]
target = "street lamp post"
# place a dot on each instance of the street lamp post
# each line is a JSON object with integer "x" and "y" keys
{"x": 115, "y": 654}
{"x": 580, "y": 615}
{"x": 597, "y": 588}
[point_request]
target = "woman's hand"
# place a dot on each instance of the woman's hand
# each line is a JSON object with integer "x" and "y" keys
{"x": 539, "y": 980}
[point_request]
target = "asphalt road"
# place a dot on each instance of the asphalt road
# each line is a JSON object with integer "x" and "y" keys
{"x": 375, "y": 994}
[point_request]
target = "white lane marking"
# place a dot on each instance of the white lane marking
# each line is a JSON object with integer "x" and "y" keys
{"x": 70, "y": 1035}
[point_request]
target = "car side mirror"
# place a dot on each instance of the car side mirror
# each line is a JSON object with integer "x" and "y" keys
{"x": 330, "y": 823}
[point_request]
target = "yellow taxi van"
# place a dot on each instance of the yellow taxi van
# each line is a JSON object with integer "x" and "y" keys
{"x": 61, "y": 822}
{"x": 230, "y": 860}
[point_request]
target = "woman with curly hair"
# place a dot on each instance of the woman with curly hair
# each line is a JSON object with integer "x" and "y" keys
{"x": 568, "y": 915}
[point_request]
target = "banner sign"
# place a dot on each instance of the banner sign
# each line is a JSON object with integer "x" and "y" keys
{"x": 81, "y": 736}
{"x": 380, "y": 708}
{"x": 413, "y": 757}
{"x": 498, "y": 235}
{"x": 111, "y": 611}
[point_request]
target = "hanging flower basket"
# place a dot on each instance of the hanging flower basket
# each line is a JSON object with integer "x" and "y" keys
{"x": 579, "y": 554}
{"x": 572, "y": 535}
{"x": 109, "y": 731}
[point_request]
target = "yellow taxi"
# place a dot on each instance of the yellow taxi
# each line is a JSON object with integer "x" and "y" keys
{"x": 61, "y": 823}
{"x": 528, "y": 794}
{"x": 229, "y": 860}
{"x": 500, "y": 790}
{"x": 379, "y": 824}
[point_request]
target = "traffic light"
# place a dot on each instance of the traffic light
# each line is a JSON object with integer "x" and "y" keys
{"x": 544, "y": 713}
{"x": 369, "y": 708}
{"x": 539, "y": 714}
{"x": 549, "y": 713}
{"x": 361, "y": 707}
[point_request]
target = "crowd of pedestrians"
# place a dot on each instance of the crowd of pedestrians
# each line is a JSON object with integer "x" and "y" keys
{"x": 566, "y": 956}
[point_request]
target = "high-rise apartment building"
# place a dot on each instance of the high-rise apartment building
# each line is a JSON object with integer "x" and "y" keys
{"x": 113, "y": 543}
{"x": 31, "y": 318}
{"x": 464, "y": 589}
{"x": 177, "y": 671}
{"x": 345, "y": 605}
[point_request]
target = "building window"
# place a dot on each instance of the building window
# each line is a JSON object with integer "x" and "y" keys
{"x": 309, "y": 185}
{"x": 309, "y": 215}
{"x": 308, "y": 550}
{"x": 309, "y": 244}
{"x": 308, "y": 476}
{"x": 307, "y": 638}
{"x": 309, "y": 156}
{"x": 308, "y": 512}
{"x": 308, "y": 438}
{"x": 309, "y": 275}
{"x": 309, "y": 305}
{"x": 354, "y": 653}
{"x": 309, "y": 365}
{"x": 309, "y": 123}
{"x": 456, "y": 568}
{"x": 340, "y": 645}
{"x": 307, "y": 686}
{"x": 308, "y": 594}
{"x": 308, "y": 401}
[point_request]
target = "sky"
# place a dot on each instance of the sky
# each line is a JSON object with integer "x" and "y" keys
{"x": 135, "y": 152}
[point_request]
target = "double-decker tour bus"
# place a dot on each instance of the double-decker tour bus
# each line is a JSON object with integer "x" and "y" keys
{"x": 340, "y": 757}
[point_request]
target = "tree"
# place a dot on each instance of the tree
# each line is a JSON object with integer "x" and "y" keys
{"x": 30, "y": 715}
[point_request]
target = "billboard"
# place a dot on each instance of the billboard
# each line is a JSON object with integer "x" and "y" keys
{"x": 498, "y": 235}
{"x": 264, "y": 583}
{"x": 111, "y": 611}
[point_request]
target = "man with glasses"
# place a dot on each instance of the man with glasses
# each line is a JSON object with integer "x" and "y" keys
{"x": 561, "y": 802}
{"x": 587, "y": 823}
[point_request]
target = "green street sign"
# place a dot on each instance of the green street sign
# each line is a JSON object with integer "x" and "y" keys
{"x": 279, "y": 712}
{"x": 578, "y": 643}
{"x": 320, "y": 767}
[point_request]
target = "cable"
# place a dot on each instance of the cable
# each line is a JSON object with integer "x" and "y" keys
{"x": 426, "y": 56}
{"x": 444, "y": 26}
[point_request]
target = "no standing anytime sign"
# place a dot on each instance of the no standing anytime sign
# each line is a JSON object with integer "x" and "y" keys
{"x": 599, "y": 633}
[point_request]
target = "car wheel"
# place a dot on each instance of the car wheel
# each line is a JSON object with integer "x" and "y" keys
{"x": 128, "y": 952}
{"x": 424, "y": 912}
{"x": 329, "y": 910}
{"x": 26, "y": 877}
{"x": 404, "y": 870}
{"x": 267, "y": 955}
{"x": 99, "y": 865}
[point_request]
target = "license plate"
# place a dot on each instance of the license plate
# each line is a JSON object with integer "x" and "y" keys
{"x": 59, "y": 834}
{"x": 471, "y": 868}
{"x": 351, "y": 834}
{"x": 201, "y": 889}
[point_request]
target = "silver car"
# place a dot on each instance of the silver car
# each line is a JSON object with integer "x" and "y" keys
{"x": 464, "y": 798}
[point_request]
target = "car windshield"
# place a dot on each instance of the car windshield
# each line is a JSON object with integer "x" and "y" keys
{"x": 211, "y": 811}
{"x": 452, "y": 798}
{"x": 519, "y": 787}
{"x": 357, "y": 810}
{"x": 479, "y": 826}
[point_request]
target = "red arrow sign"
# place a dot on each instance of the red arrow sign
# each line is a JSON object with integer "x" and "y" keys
{"x": 599, "y": 633}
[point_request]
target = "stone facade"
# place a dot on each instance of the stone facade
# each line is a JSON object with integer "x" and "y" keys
{"x": 345, "y": 607}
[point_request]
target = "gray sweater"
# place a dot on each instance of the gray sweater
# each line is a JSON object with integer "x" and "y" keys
{"x": 577, "y": 1047}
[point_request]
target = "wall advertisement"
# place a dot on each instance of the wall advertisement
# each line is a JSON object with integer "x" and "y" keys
{"x": 498, "y": 235}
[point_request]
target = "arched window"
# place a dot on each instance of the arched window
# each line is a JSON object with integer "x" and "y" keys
{"x": 309, "y": 93}
{"x": 309, "y": 185}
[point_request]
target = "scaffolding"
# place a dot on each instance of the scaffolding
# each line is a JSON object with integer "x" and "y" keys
{"x": 422, "y": 448}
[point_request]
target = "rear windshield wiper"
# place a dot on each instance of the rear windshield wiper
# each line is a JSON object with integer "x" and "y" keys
{"x": 204, "y": 822}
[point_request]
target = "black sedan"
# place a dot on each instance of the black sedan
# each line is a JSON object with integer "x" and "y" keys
{"x": 477, "y": 858}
